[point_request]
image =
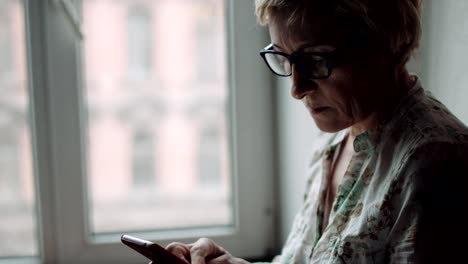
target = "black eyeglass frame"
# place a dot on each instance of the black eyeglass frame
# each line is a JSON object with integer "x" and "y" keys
{"x": 292, "y": 59}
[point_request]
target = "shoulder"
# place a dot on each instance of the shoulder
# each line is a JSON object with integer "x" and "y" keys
{"x": 434, "y": 134}
{"x": 427, "y": 130}
{"x": 425, "y": 143}
{"x": 435, "y": 123}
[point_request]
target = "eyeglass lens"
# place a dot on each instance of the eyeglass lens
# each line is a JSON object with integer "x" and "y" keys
{"x": 278, "y": 63}
{"x": 308, "y": 64}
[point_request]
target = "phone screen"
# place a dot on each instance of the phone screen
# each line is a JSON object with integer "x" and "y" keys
{"x": 151, "y": 250}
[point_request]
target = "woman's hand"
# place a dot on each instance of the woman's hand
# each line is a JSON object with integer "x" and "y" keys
{"x": 204, "y": 251}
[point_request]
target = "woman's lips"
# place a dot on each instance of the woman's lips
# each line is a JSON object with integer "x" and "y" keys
{"x": 318, "y": 110}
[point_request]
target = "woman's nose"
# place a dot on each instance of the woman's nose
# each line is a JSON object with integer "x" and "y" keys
{"x": 301, "y": 85}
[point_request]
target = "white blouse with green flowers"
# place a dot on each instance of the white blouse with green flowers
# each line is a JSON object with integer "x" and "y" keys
{"x": 402, "y": 199}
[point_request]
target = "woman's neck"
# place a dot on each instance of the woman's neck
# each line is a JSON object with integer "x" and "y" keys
{"x": 386, "y": 104}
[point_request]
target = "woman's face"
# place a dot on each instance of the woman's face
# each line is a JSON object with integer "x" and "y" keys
{"x": 346, "y": 98}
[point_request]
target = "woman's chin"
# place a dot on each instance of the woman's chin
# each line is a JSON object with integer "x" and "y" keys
{"x": 330, "y": 127}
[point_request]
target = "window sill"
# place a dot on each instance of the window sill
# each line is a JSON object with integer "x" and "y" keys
{"x": 20, "y": 260}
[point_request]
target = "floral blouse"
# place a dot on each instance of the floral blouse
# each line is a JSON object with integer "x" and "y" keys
{"x": 402, "y": 198}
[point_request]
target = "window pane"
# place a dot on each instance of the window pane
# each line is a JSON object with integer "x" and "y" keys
{"x": 17, "y": 205}
{"x": 156, "y": 95}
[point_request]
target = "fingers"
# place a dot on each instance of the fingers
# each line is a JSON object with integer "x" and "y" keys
{"x": 180, "y": 250}
{"x": 205, "y": 249}
{"x": 227, "y": 258}
{"x": 223, "y": 259}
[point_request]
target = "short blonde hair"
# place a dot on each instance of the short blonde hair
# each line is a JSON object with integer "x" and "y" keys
{"x": 393, "y": 25}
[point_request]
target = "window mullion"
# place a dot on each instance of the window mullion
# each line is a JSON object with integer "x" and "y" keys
{"x": 40, "y": 128}
{"x": 252, "y": 126}
{"x": 65, "y": 135}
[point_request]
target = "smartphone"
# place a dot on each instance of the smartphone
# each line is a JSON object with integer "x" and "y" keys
{"x": 153, "y": 251}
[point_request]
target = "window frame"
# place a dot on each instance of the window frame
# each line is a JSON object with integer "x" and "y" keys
{"x": 58, "y": 130}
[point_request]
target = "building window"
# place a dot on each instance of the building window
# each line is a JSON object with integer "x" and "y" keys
{"x": 139, "y": 43}
{"x": 143, "y": 159}
{"x": 9, "y": 176}
{"x": 209, "y": 172}
{"x": 6, "y": 51}
{"x": 208, "y": 47}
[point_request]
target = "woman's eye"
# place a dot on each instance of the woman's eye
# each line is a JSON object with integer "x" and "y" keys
{"x": 311, "y": 60}
{"x": 311, "y": 57}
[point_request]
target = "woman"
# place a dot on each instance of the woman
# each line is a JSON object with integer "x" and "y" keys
{"x": 389, "y": 188}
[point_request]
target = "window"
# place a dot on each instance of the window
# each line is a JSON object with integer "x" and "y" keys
{"x": 95, "y": 131}
{"x": 122, "y": 147}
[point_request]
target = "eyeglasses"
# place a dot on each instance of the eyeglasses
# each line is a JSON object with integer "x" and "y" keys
{"x": 313, "y": 65}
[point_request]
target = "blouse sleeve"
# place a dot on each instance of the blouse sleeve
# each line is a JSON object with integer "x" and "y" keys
{"x": 431, "y": 225}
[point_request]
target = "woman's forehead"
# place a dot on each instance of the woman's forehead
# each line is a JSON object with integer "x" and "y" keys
{"x": 317, "y": 32}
